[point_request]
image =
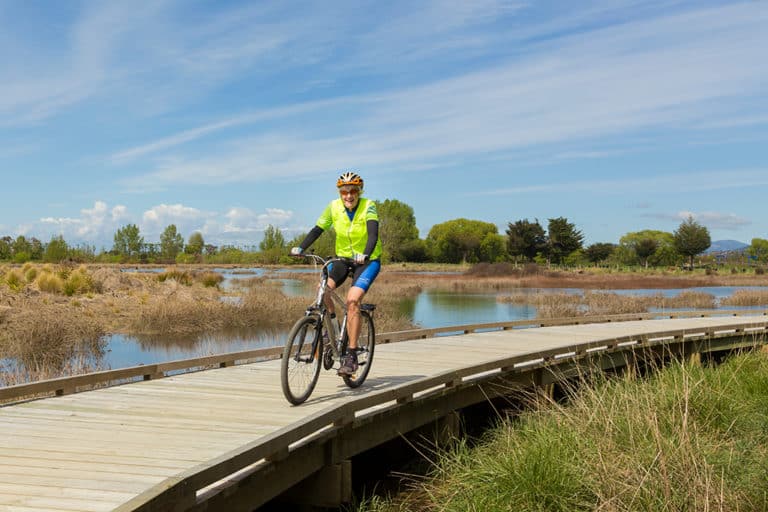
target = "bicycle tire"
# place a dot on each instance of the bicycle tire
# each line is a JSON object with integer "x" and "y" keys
{"x": 299, "y": 368}
{"x": 366, "y": 342}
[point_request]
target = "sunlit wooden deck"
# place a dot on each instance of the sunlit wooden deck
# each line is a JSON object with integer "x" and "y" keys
{"x": 173, "y": 443}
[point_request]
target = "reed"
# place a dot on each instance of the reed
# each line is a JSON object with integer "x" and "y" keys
{"x": 50, "y": 340}
{"x": 555, "y": 305}
{"x": 747, "y": 298}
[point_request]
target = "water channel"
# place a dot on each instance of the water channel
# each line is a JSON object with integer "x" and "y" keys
{"x": 430, "y": 308}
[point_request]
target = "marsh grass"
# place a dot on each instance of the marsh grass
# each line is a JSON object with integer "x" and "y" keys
{"x": 189, "y": 277}
{"x": 14, "y": 279}
{"x": 260, "y": 307}
{"x": 747, "y": 298}
{"x": 686, "y": 438}
{"x": 50, "y": 341}
{"x": 556, "y": 305}
{"x": 49, "y": 282}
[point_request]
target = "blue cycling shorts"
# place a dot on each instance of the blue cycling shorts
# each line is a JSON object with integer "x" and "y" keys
{"x": 362, "y": 275}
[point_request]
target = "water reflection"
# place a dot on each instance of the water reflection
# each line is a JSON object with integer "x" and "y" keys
{"x": 431, "y": 308}
{"x": 441, "y": 309}
{"x": 124, "y": 350}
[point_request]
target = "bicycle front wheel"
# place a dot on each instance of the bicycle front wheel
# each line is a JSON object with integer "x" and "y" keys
{"x": 302, "y": 357}
{"x": 365, "y": 344}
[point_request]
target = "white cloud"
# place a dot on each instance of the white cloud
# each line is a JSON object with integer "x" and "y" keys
{"x": 245, "y": 220}
{"x": 97, "y": 224}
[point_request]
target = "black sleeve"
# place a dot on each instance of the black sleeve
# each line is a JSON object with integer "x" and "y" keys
{"x": 313, "y": 235}
{"x": 373, "y": 236}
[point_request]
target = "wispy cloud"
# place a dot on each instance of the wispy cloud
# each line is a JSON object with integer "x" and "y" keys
{"x": 710, "y": 219}
{"x": 664, "y": 73}
{"x": 690, "y": 181}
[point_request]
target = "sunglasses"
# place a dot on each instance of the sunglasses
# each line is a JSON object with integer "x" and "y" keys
{"x": 349, "y": 190}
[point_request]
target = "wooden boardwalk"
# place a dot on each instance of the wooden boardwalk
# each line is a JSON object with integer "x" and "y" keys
{"x": 126, "y": 447}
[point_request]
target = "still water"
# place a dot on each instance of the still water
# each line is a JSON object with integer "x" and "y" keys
{"x": 429, "y": 309}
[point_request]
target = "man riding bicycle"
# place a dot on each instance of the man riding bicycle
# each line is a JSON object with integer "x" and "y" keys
{"x": 356, "y": 223}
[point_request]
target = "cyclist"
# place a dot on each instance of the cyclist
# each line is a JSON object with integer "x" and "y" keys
{"x": 356, "y": 222}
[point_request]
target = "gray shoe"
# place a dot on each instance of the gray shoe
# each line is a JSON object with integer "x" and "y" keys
{"x": 348, "y": 364}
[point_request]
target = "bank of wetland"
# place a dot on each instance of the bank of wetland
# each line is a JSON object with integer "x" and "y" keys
{"x": 55, "y": 318}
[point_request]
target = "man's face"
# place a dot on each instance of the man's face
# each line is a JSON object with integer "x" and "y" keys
{"x": 350, "y": 196}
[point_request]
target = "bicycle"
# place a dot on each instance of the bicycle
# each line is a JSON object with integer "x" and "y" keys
{"x": 316, "y": 339}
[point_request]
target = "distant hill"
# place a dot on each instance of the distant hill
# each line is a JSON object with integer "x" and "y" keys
{"x": 727, "y": 246}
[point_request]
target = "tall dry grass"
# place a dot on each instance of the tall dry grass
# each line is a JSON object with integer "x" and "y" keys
{"x": 556, "y": 305}
{"x": 263, "y": 305}
{"x": 50, "y": 341}
{"x": 743, "y": 298}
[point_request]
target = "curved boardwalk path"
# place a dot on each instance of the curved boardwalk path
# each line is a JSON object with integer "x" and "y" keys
{"x": 186, "y": 441}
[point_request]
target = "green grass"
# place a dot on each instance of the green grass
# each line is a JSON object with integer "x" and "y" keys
{"x": 686, "y": 438}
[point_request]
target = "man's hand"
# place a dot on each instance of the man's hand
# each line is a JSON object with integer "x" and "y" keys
{"x": 296, "y": 251}
{"x": 360, "y": 258}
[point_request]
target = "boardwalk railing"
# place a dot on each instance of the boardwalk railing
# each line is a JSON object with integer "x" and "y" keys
{"x": 72, "y": 384}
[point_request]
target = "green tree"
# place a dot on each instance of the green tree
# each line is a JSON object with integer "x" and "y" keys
{"x": 56, "y": 250}
{"x": 599, "y": 252}
{"x": 21, "y": 245}
{"x": 562, "y": 239}
{"x": 665, "y": 253}
{"x": 195, "y": 244}
{"x": 272, "y": 246}
{"x": 6, "y": 248}
{"x": 526, "y": 239}
{"x": 493, "y": 248}
{"x": 171, "y": 243}
{"x": 645, "y": 248}
{"x": 459, "y": 240}
{"x": 759, "y": 249}
{"x": 397, "y": 229}
{"x": 36, "y": 249}
{"x": 128, "y": 242}
{"x": 691, "y": 238}
{"x": 273, "y": 239}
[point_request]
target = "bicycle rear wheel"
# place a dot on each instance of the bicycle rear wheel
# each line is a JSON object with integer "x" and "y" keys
{"x": 300, "y": 367}
{"x": 365, "y": 344}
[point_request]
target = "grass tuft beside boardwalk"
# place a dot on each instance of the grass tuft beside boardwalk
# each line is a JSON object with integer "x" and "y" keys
{"x": 686, "y": 438}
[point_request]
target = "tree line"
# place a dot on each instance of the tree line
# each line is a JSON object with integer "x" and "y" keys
{"x": 557, "y": 242}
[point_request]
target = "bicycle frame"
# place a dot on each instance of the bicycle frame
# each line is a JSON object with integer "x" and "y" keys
{"x": 319, "y": 307}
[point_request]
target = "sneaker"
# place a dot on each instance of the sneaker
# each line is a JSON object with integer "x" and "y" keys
{"x": 349, "y": 364}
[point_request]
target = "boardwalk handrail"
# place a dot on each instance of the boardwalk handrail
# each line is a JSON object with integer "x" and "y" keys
{"x": 181, "y": 489}
{"x": 72, "y": 384}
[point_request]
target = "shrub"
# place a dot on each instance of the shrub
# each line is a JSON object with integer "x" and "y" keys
{"x": 14, "y": 279}
{"x": 210, "y": 279}
{"x": 48, "y": 282}
{"x": 30, "y": 274}
{"x": 78, "y": 281}
{"x": 177, "y": 275}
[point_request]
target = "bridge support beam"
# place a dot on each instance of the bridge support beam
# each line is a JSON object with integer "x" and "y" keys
{"x": 329, "y": 488}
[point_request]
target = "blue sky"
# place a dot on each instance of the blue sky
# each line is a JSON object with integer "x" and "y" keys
{"x": 228, "y": 116}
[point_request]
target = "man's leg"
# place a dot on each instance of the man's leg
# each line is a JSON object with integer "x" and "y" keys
{"x": 354, "y": 298}
{"x": 328, "y": 300}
